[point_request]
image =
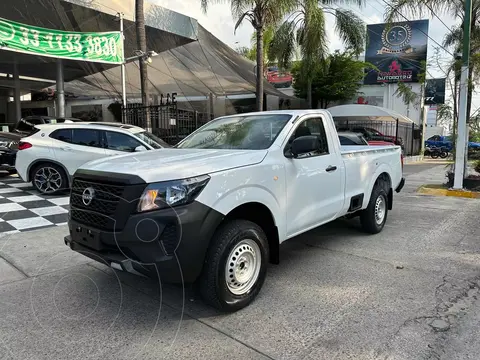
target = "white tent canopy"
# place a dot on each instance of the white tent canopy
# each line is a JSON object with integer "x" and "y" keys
{"x": 366, "y": 112}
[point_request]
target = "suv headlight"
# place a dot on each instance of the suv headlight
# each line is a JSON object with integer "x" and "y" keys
{"x": 171, "y": 193}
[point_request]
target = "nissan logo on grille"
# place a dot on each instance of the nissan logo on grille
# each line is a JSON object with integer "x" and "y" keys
{"x": 88, "y": 195}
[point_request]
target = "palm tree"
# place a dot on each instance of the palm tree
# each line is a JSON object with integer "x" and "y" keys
{"x": 142, "y": 45}
{"x": 306, "y": 28}
{"x": 454, "y": 38}
{"x": 268, "y": 35}
{"x": 261, "y": 14}
{"x": 251, "y": 52}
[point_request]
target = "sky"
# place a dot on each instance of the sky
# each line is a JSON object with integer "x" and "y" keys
{"x": 220, "y": 23}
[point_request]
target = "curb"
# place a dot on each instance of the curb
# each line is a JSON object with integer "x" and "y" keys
{"x": 447, "y": 192}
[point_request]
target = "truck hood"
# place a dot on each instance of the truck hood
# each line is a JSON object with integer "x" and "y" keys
{"x": 172, "y": 164}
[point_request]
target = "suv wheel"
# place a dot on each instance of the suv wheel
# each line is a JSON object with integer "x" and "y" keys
{"x": 49, "y": 179}
{"x": 235, "y": 266}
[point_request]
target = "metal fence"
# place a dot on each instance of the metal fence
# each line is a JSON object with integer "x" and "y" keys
{"x": 168, "y": 122}
{"x": 172, "y": 125}
{"x": 409, "y": 136}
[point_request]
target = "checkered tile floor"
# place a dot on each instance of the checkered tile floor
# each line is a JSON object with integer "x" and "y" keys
{"x": 23, "y": 208}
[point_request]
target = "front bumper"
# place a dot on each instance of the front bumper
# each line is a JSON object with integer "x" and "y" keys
{"x": 400, "y": 186}
{"x": 171, "y": 241}
{"x": 7, "y": 160}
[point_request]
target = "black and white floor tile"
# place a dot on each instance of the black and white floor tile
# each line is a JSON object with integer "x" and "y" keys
{"x": 23, "y": 208}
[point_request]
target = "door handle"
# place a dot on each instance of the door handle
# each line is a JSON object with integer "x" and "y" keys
{"x": 331, "y": 168}
{"x": 66, "y": 148}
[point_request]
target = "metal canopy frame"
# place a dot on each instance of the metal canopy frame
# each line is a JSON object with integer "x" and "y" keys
{"x": 68, "y": 16}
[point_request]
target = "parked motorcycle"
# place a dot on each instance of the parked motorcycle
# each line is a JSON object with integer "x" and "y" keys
{"x": 436, "y": 152}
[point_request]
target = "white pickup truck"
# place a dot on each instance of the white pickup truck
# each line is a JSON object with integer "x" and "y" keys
{"x": 215, "y": 209}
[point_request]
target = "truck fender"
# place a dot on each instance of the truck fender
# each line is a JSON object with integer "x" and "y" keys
{"x": 384, "y": 168}
{"x": 242, "y": 195}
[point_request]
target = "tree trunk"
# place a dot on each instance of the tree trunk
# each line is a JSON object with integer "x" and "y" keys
{"x": 260, "y": 78}
{"x": 309, "y": 93}
{"x": 142, "y": 45}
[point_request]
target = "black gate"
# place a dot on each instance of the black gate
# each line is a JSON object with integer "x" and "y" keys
{"x": 168, "y": 122}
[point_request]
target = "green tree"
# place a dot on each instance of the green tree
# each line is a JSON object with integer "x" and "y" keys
{"x": 261, "y": 14}
{"x": 247, "y": 52}
{"x": 335, "y": 78}
{"x": 251, "y": 52}
{"x": 306, "y": 28}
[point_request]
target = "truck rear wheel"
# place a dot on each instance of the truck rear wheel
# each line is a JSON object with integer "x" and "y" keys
{"x": 235, "y": 266}
{"x": 373, "y": 218}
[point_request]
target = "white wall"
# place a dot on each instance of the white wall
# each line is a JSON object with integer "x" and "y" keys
{"x": 384, "y": 96}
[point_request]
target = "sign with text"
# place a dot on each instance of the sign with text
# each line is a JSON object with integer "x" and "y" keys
{"x": 397, "y": 50}
{"x": 435, "y": 91}
{"x": 105, "y": 47}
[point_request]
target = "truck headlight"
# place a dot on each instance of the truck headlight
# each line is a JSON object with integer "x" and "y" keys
{"x": 171, "y": 193}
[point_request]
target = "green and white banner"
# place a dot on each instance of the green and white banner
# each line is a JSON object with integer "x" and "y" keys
{"x": 105, "y": 47}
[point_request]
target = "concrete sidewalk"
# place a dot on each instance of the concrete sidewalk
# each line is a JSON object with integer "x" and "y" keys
{"x": 407, "y": 293}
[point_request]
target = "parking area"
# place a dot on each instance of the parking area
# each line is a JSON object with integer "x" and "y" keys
{"x": 410, "y": 292}
{"x": 22, "y": 208}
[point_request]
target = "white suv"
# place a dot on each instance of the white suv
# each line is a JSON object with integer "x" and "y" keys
{"x": 51, "y": 155}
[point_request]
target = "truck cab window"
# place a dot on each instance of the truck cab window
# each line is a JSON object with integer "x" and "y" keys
{"x": 313, "y": 126}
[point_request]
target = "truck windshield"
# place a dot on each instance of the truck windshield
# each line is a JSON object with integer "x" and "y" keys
{"x": 251, "y": 132}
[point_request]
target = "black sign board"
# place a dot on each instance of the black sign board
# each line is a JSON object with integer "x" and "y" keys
{"x": 397, "y": 50}
{"x": 435, "y": 91}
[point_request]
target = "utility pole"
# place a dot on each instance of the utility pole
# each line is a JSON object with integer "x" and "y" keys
{"x": 142, "y": 45}
{"x": 124, "y": 83}
{"x": 462, "y": 143}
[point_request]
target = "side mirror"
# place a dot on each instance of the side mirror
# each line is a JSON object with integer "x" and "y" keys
{"x": 140, "y": 148}
{"x": 305, "y": 144}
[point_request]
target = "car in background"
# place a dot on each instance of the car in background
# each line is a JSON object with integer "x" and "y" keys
{"x": 372, "y": 134}
{"x": 348, "y": 139}
{"x": 279, "y": 79}
{"x": 351, "y": 139}
{"x": 26, "y": 125}
{"x": 50, "y": 156}
{"x": 8, "y": 151}
{"x": 439, "y": 141}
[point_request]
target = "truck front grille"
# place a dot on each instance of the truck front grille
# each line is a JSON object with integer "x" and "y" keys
{"x": 86, "y": 217}
{"x": 100, "y": 210}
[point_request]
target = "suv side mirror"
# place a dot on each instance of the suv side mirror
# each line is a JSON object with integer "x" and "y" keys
{"x": 140, "y": 148}
{"x": 305, "y": 144}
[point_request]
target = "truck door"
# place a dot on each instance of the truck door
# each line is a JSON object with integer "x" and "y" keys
{"x": 315, "y": 184}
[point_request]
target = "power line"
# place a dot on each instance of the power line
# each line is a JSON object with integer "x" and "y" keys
{"x": 436, "y": 42}
{"x": 439, "y": 18}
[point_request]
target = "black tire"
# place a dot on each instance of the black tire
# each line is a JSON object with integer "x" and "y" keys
{"x": 444, "y": 154}
{"x": 64, "y": 186}
{"x": 435, "y": 155}
{"x": 368, "y": 217}
{"x": 212, "y": 283}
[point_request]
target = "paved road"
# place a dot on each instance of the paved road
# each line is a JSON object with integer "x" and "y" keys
{"x": 410, "y": 169}
{"x": 407, "y": 293}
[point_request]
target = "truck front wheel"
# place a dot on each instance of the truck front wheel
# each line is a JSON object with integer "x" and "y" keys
{"x": 235, "y": 266}
{"x": 373, "y": 218}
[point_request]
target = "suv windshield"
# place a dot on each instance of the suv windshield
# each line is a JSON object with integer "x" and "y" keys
{"x": 152, "y": 140}
{"x": 251, "y": 132}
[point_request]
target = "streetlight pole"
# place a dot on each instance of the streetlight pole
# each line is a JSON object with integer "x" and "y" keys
{"x": 461, "y": 147}
{"x": 124, "y": 86}
{"x": 123, "y": 68}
